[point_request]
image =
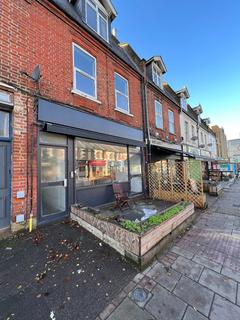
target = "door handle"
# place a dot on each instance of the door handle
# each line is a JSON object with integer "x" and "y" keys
{"x": 65, "y": 182}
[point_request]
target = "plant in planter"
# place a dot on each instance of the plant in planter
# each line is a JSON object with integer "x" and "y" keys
{"x": 155, "y": 220}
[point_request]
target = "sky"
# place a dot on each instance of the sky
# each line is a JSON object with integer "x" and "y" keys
{"x": 199, "y": 41}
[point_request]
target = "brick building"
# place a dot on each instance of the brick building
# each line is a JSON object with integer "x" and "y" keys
{"x": 74, "y": 125}
{"x": 222, "y": 146}
{"x": 77, "y": 109}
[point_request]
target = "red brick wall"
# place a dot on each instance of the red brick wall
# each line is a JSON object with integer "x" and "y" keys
{"x": 35, "y": 32}
{"x": 167, "y": 104}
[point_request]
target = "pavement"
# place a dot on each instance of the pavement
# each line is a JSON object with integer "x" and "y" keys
{"x": 59, "y": 271}
{"x": 197, "y": 278}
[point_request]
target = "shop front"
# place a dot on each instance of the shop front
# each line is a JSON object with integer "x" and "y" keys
{"x": 80, "y": 156}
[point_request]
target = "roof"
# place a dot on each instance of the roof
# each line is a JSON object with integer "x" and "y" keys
{"x": 113, "y": 45}
{"x": 159, "y": 62}
{"x": 185, "y": 91}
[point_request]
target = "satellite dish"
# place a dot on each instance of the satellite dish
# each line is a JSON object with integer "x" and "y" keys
{"x": 36, "y": 74}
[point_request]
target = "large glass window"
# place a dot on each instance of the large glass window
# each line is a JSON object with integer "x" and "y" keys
{"x": 121, "y": 93}
{"x": 4, "y": 124}
{"x": 97, "y": 19}
{"x": 135, "y": 164}
{"x": 99, "y": 163}
{"x": 158, "y": 115}
{"x": 84, "y": 72}
{"x": 171, "y": 121}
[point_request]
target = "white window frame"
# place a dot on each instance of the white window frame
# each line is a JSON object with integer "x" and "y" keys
{"x": 171, "y": 122}
{"x": 75, "y": 69}
{"x": 117, "y": 91}
{"x": 97, "y": 8}
{"x": 157, "y": 114}
{"x": 155, "y": 70}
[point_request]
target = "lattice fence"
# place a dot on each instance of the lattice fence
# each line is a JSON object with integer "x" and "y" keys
{"x": 177, "y": 180}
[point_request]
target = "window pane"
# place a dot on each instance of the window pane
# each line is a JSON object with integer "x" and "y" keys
{"x": 98, "y": 163}
{"x": 135, "y": 164}
{"x": 92, "y": 17}
{"x": 122, "y": 101}
{"x": 4, "y": 124}
{"x": 103, "y": 27}
{"x": 121, "y": 84}
{"x": 52, "y": 164}
{"x": 85, "y": 84}
{"x": 53, "y": 200}
{"x": 136, "y": 184}
{"x": 5, "y": 97}
{"x": 159, "y": 122}
{"x": 84, "y": 62}
{"x": 52, "y": 138}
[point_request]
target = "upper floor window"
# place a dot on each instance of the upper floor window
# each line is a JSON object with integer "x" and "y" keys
{"x": 157, "y": 76}
{"x": 84, "y": 72}
{"x": 186, "y": 131}
{"x": 158, "y": 115}
{"x": 171, "y": 124}
{"x": 184, "y": 103}
{"x": 96, "y": 18}
{"x": 121, "y": 93}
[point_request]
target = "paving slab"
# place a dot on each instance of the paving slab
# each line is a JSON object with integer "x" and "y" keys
{"x": 231, "y": 273}
{"x": 129, "y": 310}
{"x": 164, "y": 305}
{"x": 182, "y": 252}
{"x": 197, "y": 296}
{"x": 167, "y": 277}
{"x": 220, "y": 284}
{"x": 192, "y": 314}
{"x": 188, "y": 268}
{"x": 207, "y": 263}
{"x": 238, "y": 295}
{"x": 222, "y": 309}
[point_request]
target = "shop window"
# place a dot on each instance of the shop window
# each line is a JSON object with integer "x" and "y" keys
{"x": 84, "y": 72}
{"x": 121, "y": 93}
{"x": 135, "y": 164}
{"x": 99, "y": 163}
{"x": 53, "y": 139}
{"x": 4, "y": 124}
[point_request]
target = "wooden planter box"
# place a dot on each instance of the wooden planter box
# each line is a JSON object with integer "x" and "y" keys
{"x": 141, "y": 249}
{"x": 215, "y": 190}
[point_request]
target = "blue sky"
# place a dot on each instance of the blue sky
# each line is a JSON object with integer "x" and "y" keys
{"x": 199, "y": 41}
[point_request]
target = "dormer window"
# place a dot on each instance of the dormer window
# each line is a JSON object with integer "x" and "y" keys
{"x": 97, "y": 18}
{"x": 157, "y": 76}
{"x": 184, "y": 103}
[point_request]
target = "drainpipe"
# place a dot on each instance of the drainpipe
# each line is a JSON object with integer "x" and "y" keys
{"x": 146, "y": 130}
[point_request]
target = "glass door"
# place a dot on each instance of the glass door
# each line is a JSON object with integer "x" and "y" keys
{"x": 53, "y": 182}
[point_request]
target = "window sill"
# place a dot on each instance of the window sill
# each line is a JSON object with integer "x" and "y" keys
{"x": 124, "y": 112}
{"x": 74, "y": 91}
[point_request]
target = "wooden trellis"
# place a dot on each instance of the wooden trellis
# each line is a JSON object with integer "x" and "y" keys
{"x": 177, "y": 180}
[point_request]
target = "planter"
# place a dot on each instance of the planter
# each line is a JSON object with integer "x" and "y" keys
{"x": 141, "y": 249}
{"x": 215, "y": 190}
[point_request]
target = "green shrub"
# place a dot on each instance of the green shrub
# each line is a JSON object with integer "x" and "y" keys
{"x": 141, "y": 227}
